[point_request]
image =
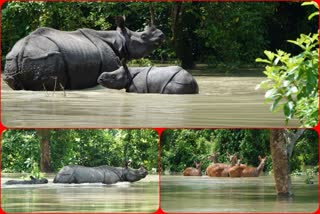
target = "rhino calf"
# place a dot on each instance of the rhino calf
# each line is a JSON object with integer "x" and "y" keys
{"x": 32, "y": 181}
{"x": 101, "y": 174}
{"x": 163, "y": 80}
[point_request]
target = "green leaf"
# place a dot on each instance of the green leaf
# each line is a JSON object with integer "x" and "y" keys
{"x": 275, "y": 104}
{"x": 258, "y": 86}
{"x": 270, "y": 94}
{"x": 288, "y": 109}
{"x": 269, "y": 54}
{"x": 313, "y": 15}
{"x": 292, "y": 70}
{"x": 310, "y": 3}
{"x": 263, "y": 60}
{"x": 292, "y": 90}
{"x": 276, "y": 61}
{"x": 285, "y": 83}
{"x": 298, "y": 43}
{"x": 311, "y": 83}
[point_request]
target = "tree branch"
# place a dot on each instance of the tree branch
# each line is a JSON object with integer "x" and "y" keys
{"x": 291, "y": 139}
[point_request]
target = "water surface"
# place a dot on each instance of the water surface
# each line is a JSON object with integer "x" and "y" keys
{"x": 141, "y": 196}
{"x": 222, "y": 102}
{"x": 206, "y": 194}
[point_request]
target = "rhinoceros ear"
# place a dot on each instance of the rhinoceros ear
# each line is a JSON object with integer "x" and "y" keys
{"x": 120, "y": 21}
{"x": 127, "y": 163}
{"x": 124, "y": 64}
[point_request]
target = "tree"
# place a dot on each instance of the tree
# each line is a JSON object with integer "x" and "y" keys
{"x": 292, "y": 83}
{"x": 53, "y": 149}
{"x": 180, "y": 148}
{"x": 281, "y": 144}
{"x": 182, "y": 32}
{"x": 44, "y": 136}
{"x": 213, "y": 32}
{"x": 234, "y": 32}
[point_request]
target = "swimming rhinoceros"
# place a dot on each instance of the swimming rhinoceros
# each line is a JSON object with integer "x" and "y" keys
{"x": 32, "y": 181}
{"x": 101, "y": 174}
{"x": 50, "y": 59}
{"x": 164, "y": 80}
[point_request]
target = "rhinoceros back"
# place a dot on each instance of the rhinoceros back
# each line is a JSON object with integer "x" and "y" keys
{"x": 48, "y": 59}
{"x": 78, "y": 174}
{"x": 82, "y": 174}
{"x": 34, "y": 63}
{"x": 166, "y": 80}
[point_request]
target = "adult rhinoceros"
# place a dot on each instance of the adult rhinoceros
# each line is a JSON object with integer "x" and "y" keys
{"x": 50, "y": 59}
{"x": 101, "y": 174}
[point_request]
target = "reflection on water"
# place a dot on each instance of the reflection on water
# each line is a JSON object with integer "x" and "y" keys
{"x": 141, "y": 196}
{"x": 205, "y": 194}
{"x": 222, "y": 102}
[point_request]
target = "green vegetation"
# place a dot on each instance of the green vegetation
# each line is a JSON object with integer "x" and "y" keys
{"x": 180, "y": 148}
{"x": 21, "y": 149}
{"x": 309, "y": 176}
{"x": 224, "y": 35}
{"x": 35, "y": 171}
{"x": 292, "y": 83}
{"x": 231, "y": 33}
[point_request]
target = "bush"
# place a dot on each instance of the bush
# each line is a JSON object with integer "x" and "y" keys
{"x": 143, "y": 62}
{"x": 292, "y": 83}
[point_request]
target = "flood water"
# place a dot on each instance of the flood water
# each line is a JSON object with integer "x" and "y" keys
{"x": 222, "y": 102}
{"x": 141, "y": 196}
{"x": 207, "y": 194}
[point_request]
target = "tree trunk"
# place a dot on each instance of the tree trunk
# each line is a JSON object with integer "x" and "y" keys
{"x": 152, "y": 13}
{"x": 44, "y": 135}
{"x": 291, "y": 139}
{"x": 176, "y": 14}
{"x": 181, "y": 36}
{"x": 280, "y": 163}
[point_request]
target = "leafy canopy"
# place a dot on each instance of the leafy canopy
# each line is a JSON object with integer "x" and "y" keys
{"x": 292, "y": 83}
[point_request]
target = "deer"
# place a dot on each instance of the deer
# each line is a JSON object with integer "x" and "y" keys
{"x": 241, "y": 170}
{"x": 220, "y": 169}
{"x": 254, "y": 171}
{"x": 237, "y": 169}
{"x": 190, "y": 171}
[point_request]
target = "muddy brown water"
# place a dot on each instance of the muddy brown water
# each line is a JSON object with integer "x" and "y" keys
{"x": 222, "y": 102}
{"x": 207, "y": 194}
{"x": 141, "y": 196}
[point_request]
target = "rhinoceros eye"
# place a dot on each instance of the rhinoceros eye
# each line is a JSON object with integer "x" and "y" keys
{"x": 113, "y": 76}
{"x": 144, "y": 36}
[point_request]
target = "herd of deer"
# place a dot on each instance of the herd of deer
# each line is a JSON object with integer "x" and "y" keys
{"x": 234, "y": 169}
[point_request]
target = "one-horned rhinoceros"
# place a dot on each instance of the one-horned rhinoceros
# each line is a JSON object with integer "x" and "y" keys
{"x": 50, "y": 59}
{"x": 101, "y": 174}
{"x": 163, "y": 80}
{"x": 32, "y": 181}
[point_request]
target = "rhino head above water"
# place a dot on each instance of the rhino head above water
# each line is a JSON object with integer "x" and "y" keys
{"x": 135, "y": 45}
{"x": 49, "y": 59}
{"x": 101, "y": 174}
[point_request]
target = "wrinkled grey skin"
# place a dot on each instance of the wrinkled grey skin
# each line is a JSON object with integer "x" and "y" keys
{"x": 101, "y": 174}
{"x": 50, "y": 59}
{"x": 32, "y": 181}
{"x": 164, "y": 80}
